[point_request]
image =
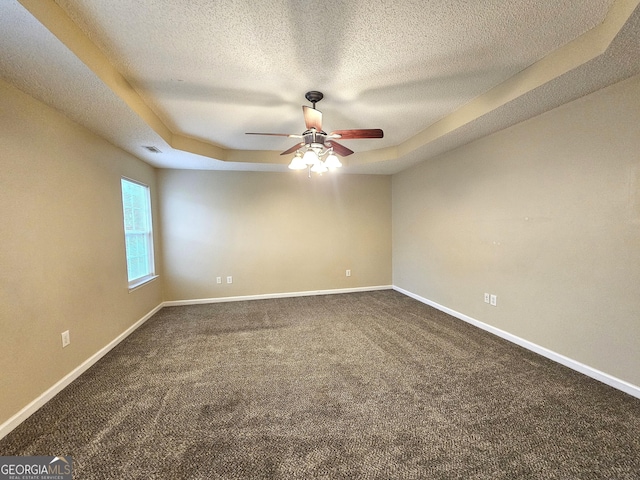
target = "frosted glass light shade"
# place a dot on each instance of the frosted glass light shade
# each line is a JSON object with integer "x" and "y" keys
{"x": 297, "y": 163}
{"x": 332, "y": 161}
{"x": 310, "y": 157}
{"x": 319, "y": 167}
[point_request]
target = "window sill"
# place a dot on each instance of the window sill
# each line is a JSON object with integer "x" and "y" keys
{"x": 139, "y": 282}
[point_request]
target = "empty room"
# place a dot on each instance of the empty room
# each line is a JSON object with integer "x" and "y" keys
{"x": 320, "y": 239}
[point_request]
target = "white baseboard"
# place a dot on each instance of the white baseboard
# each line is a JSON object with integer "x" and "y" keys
{"x": 610, "y": 380}
{"x": 198, "y": 301}
{"x": 31, "y": 408}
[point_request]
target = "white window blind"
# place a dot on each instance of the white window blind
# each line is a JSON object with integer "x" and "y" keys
{"x": 138, "y": 234}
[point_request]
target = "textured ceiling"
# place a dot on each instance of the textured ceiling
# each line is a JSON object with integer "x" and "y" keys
{"x": 191, "y": 77}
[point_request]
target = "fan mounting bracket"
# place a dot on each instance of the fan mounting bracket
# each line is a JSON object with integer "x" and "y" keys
{"x": 314, "y": 97}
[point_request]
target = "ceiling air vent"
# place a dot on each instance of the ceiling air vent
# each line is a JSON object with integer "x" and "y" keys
{"x": 152, "y": 149}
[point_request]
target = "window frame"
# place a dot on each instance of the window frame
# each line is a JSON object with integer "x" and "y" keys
{"x": 150, "y": 274}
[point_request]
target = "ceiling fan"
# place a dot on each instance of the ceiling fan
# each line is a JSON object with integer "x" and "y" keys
{"x": 316, "y": 143}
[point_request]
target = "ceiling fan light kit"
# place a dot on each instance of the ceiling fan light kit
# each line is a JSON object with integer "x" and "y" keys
{"x": 318, "y": 151}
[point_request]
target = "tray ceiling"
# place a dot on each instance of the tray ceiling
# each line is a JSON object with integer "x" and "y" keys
{"x": 191, "y": 77}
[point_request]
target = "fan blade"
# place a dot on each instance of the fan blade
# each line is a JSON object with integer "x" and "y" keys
{"x": 358, "y": 133}
{"x": 339, "y": 149}
{"x": 290, "y": 135}
{"x": 312, "y": 118}
{"x": 293, "y": 149}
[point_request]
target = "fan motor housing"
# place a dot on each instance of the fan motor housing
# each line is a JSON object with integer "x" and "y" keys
{"x": 313, "y": 136}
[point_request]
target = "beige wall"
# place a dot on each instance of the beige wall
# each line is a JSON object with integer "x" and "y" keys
{"x": 62, "y": 259}
{"x": 546, "y": 215}
{"x": 273, "y": 232}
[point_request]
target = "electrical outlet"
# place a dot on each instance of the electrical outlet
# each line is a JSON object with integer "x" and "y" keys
{"x": 66, "y": 340}
{"x": 229, "y": 279}
{"x": 348, "y": 273}
{"x": 494, "y": 300}
{"x": 486, "y": 298}
{"x": 218, "y": 279}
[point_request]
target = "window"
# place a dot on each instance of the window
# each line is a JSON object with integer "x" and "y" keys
{"x": 138, "y": 235}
